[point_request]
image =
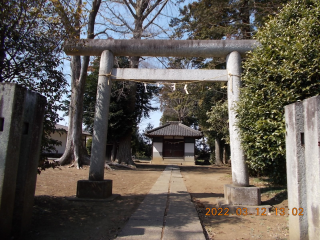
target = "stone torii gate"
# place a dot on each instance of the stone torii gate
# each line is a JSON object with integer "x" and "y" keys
{"x": 96, "y": 187}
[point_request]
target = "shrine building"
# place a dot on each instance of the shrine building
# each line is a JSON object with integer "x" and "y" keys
{"x": 173, "y": 143}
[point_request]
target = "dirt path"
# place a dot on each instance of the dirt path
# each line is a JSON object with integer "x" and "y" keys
{"x": 57, "y": 218}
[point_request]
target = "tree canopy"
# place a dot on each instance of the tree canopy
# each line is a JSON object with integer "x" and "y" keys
{"x": 283, "y": 70}
{"x": 218, "y": 19}
{"x": 31, "y": 54}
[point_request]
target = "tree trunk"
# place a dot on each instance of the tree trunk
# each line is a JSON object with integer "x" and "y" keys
{"x": 113, "y": 152}
{"x": 74, "y": 151}
{"x": 142, "y": 9}
{"x": 124, "y": 151}
{"x": 245, "y": 17}
{"x": 224, "y": 158}
{"x": 2, "y": 51}
{"x": 217, "y": 144}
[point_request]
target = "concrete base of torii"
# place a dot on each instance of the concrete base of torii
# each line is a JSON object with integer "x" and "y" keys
{"x": 248, "y": 198}
{"x": 94, "y": 189}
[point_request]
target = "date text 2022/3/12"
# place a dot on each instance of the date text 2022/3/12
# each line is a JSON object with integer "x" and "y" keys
{"x": 259, "y": 212}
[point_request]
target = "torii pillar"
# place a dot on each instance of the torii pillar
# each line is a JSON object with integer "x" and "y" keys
{"x": 238, "y": 193}
{"x": 97, "y": 187}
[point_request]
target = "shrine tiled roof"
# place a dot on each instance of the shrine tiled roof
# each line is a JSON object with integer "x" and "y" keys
{"x": 174, "y": 128}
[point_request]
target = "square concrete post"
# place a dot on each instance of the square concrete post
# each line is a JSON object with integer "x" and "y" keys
{"x": 296, "y": 170}
{"x": 33, "y": 114}
{"x": 11, "y": 114}
{"x": 240, "y": 176}
{"x": 96, "y": 186}
{"x": 21, "y": 121}
{"x": 312, "y": 158}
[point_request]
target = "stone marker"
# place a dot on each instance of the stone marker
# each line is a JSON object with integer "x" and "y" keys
{"x": 296, "y": 169}
{"x": 11, "y": 112}
{"x": 21, "y": 121}
{"x": 311, "y": 108}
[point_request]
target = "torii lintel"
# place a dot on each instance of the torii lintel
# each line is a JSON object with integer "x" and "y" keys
{"x": 160, "y": 48}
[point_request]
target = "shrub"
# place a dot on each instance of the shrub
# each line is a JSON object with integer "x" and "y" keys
{"x": 282, "y": 70}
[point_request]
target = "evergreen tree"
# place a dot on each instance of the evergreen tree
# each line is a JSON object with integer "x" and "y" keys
{"x": 283, "y": 70}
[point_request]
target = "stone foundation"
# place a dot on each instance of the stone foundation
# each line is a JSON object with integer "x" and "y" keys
{"x": 236, "y": 199}
{"x": 94, "y": 189}
{"x": 242, "y": 195}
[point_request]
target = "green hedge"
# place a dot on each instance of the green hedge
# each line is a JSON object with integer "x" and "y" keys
{"x": 283, "y": 70}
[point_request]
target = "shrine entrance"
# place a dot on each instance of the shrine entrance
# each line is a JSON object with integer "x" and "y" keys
{"x": 232, "y": 50}
{"x": 173, "y": 148}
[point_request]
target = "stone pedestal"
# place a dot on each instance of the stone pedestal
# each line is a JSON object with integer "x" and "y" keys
{"x": 236, "y": 198}
{"x": 242, "y": 195}
{"x": 94, "y": 189}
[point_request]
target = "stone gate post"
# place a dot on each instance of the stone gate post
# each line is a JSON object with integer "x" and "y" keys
{"x": 21, "y": 122}
{"x": 238, "y": 193}
{"x": 296, "y": 170}
{"x": 240, "y": 175}
{"x": 96, "y": 186}
{"x": 100, "y": 127}
{"x": 311, "y": 107}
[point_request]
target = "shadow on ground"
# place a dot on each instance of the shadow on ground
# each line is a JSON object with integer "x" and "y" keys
{"x": 277, "y": 199}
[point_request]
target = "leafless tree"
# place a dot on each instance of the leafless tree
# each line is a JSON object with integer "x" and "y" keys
{"x": 72, "y": 15}
{"x": 77, "y": 16}
{"x": 136, "y": 20}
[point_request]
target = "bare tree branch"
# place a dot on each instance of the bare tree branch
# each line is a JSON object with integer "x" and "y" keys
{"x": 132, "y": 3}
{"x": 122, "y": 20}
{"x": 92, "y": 17}
{"x": 162, "y": 62}
{"x": 150, "y": 9}
{"x": 157, "y": 14}
{"x": 163, "y": 30}
{"x": 128, "y": 6}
